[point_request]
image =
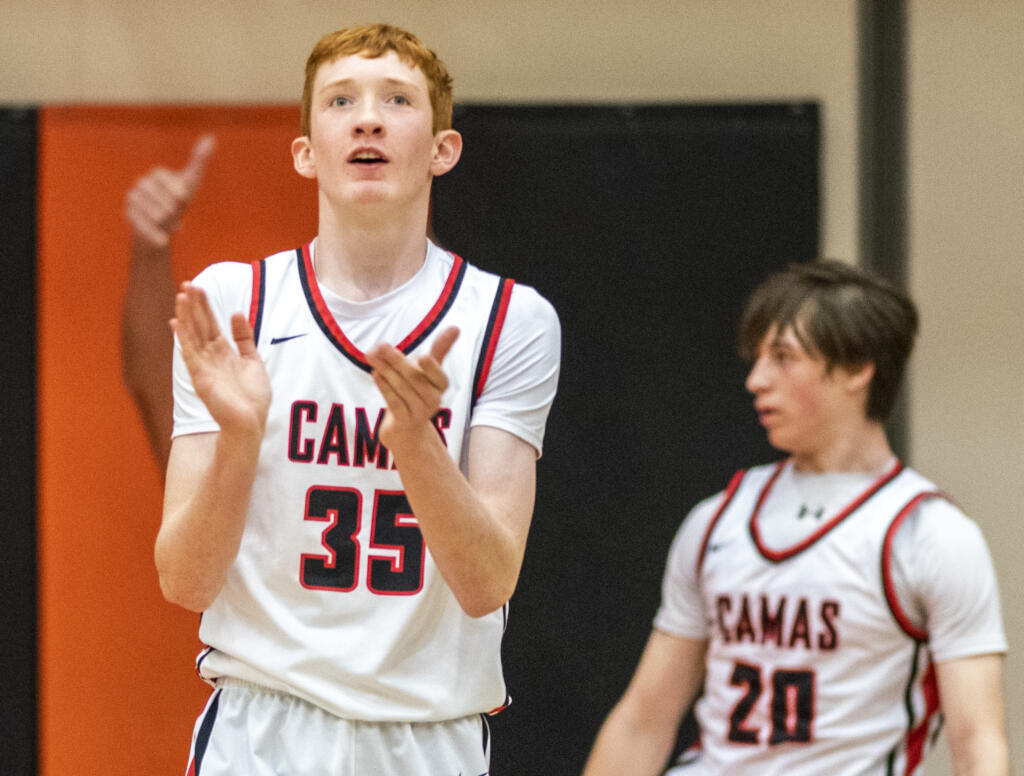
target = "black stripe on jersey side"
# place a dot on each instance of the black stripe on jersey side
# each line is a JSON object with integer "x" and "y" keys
{"x": 485, "y": 346}
{"x": 408, "y": 347}
{"x": 203, "y": 736}
{"x": 259, "y": 291}
{"x": 908, "y": 702}
{"x": 485, "y": 732}
{"x": 908, "y": 693}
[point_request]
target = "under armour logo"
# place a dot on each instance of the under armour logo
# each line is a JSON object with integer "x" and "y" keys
{"x": 806, "y": 510}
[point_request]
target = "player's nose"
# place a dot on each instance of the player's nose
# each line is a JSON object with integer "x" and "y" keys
{"x": 368, "y": 120}
{"x": 757, "y": 377}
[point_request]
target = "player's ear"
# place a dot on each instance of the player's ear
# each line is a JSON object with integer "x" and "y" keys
{"x": 302, "y": 157}
{"x": 447, "y": 150}
{"x": 858, "y": 378}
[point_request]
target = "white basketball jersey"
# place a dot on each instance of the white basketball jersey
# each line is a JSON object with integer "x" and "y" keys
{"x": 812, "y": 667}
{"x": 333, "y": 596}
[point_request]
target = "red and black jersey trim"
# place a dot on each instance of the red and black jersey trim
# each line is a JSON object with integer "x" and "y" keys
{"x": 889, "y": 588}
{"x": 730, "y": 491}
{"x": 207, "y": 651}
{"x": 440, "y": 308}
{"x": 259, "y": 291}
{"x": 329, "y": 326}
{"x": 919, "y": 731}
{"x": 779, "y": 556}
{"x": 495, "y": 322}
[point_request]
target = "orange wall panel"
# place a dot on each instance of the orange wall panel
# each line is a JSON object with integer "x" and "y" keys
{"x": 117, "y": 692}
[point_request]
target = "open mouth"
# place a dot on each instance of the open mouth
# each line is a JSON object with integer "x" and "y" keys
{"x": 367, "y": 158}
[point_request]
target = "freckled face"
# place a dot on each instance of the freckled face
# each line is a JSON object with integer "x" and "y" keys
{"x": 371, "y": 137}
{"x": 799, "y": 401}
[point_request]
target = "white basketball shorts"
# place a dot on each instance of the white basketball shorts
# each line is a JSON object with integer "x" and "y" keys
{"x": 251, "y": 730}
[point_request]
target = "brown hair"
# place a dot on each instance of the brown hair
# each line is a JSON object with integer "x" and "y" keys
{"x": 848, "y": 316}
{"x": 375, "y": 40}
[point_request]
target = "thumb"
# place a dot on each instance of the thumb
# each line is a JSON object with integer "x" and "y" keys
{"x": 202, "y": 149}
{"x": 439, "y": 349}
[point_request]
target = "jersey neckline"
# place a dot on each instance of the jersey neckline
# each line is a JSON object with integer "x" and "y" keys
{"x": 332, "y": 330}
{"x": 780, "y": 555}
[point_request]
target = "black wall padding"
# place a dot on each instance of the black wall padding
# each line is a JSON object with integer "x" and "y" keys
{"x": 18, "y": 441}
{"x": 646, "y": 226}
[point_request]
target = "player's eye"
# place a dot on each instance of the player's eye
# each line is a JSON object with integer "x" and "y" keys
{"x": 400, "y": 99}
{"x": 339, "y": 101}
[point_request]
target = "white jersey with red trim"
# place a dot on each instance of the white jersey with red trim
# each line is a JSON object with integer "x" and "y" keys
{"x": 812, "y": 665}
{"x": 333, "y": 596}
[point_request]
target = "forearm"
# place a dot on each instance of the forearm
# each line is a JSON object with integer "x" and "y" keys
{"x": 203, "y": 524}
{"x": 638, "y": 735}
{"x": 630, "y": 743}
{"x": 472, "y": 542}
{"x": 982, "y": 755}
{"x": 147, "y": 342}
{"x": 972, "y": 701}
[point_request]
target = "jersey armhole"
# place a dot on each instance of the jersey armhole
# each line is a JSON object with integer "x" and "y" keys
{"x": 730, "y": 491}
{"x": 495, "y": 322}
{"x": 889, "y": 589}
{"x": 259, "y": 287}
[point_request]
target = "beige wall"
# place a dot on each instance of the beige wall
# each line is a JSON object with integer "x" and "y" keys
{"x": 966, "y": 111}
{"x": 966, "y": 172}
{"x": 114, "y": 50}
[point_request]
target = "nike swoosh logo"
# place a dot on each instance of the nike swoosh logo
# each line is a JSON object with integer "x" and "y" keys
{"x": 279, "y": 340}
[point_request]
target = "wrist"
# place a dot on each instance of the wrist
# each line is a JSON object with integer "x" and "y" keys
{"x": 418, "y": 441}
{"x": 244, "y": 431}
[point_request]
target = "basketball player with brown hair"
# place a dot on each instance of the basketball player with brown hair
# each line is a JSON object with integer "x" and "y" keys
{"x": 825, "y": 611}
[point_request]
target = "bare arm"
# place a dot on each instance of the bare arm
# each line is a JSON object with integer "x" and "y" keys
{"x": 146, "y": 342}
{"x": 637, "y": 736}
{"x": 210, "y": 476}
{"x": 972, "y": 701}
{"x": 154, "y": 207}
{"x": 475, "y": 526}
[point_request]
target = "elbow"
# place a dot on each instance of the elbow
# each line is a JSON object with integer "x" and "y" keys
{"x": 186, "y": 596}
{"x": 138, "y": 377}
{"x": 484, "y": 600}
{"x": 131, "y": 376}
{"x": 476, "y": 610}
{"x": 181, "y": 588}
{"x": 972, "y": 750}
{"x": 491, "y": 587}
